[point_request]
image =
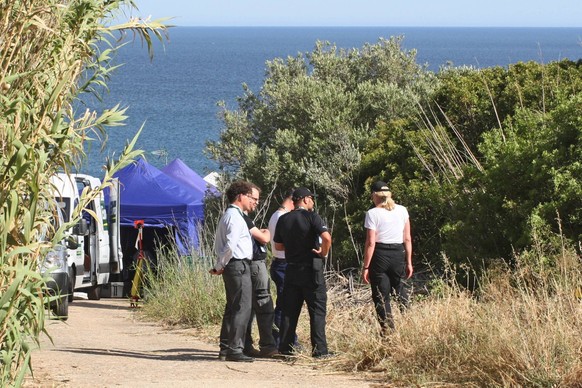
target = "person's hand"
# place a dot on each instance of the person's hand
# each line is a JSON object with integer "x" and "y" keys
{"x": 409, "y": 271}
{"x": 366, "y": 275}
{"x": 214, "y": 271}
{"x": 318, "y": 252}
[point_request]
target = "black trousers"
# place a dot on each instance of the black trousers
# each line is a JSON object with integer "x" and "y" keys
{"x": 387, "y": 274}
{"x": 302, "y": 284}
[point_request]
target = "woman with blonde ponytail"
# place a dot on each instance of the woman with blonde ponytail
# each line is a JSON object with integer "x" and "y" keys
{"x": 387, "y": 252}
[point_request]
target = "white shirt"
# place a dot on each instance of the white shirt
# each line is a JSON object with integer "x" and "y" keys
{"x": 272, "y": 225}
{"x": 388, "y": 224}
{"x": 233, "y": 238}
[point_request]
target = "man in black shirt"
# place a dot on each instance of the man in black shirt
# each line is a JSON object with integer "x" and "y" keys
{"x": 263, "y": 308}
{"x": 306, "y": 241}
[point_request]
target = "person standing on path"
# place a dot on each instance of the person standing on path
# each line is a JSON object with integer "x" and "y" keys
{"x": 387, "y": 252}
{"x": 279, "y": 264}
{"x": 234, "y": 249}
{"x": 262, "y": 300}
{"x": 304, "y": 237}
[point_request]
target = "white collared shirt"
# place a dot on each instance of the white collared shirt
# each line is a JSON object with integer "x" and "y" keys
{"x": 233, "y": 238}
{"x": 272, "y": 226}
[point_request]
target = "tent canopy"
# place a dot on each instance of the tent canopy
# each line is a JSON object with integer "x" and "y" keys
{"x": 178, "y": 170}
{"x": 148, "y": 194}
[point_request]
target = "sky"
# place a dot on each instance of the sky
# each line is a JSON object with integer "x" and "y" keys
{"x": 384, "y": 13}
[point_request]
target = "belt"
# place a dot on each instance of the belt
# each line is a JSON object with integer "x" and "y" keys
{"x": 279, "y": 258}
{"x": 390, "y": 246}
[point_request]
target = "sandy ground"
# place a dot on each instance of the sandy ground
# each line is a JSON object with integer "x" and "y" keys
{"x": 103, "y": 344}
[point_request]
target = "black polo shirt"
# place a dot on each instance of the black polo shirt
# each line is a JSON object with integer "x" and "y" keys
{"x": 299, "y": 231}
{"x": 259, "y": 250}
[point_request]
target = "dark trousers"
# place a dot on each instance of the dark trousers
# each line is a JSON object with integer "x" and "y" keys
{"x": 300, "y": 286}
{"x": 237, "y": 284}
{"x": 387, "y": 274}
{"x": 278, "y": 268}
{"x": 262, "y": 307}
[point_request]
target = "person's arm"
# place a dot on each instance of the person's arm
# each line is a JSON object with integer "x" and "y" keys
{"x": 233, "y": 229}
{"x": 277, "y": 237}
{"x": 323, "y": 250}
{"x": 408, "y": 248}
{"x": 368, "y": 252}
{"x": 263, "y": 236}
{"x": 279, "y": 246}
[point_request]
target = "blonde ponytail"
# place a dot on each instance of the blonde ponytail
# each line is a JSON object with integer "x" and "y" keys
{"x": 387, "y": 201}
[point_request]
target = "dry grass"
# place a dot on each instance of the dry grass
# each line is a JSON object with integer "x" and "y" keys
{"x": 521, "y": 328}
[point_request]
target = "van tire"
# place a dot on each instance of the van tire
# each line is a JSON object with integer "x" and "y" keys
{"x": 94, "y": 293}
{"x": 61, "y": 309}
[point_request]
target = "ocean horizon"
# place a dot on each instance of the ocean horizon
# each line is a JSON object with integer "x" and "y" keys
{"x": 175, "y": 95}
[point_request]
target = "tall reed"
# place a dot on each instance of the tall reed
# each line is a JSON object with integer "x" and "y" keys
{"x": 49, "y": 55}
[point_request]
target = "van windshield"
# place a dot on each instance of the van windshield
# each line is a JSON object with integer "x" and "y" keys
{"x": 64, "y": 205}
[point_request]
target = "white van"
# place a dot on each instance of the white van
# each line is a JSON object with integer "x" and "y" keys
{"x": 99, "y": 253}
{"x": 54, "y": 266}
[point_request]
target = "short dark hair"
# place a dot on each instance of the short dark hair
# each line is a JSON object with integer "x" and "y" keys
{"x": 236, "y": 188}
{"x": 253, "y": 186}
{"x": 288, "y": 193}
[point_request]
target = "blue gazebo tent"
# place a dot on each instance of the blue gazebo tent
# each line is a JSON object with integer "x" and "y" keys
{"x": 147, "y": 194}
{"x": 178, "y": 170}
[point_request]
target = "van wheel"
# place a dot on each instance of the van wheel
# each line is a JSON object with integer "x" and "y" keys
{"x": 94, "y": 293}
{"x": 61, "y": 309}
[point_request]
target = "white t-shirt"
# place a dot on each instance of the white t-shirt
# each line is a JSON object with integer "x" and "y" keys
{"x": 388, "y": 224}
{"x": 272, "y": 225}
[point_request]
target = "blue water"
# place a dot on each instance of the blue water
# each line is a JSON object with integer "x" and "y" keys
{"x": 175, "y": 96}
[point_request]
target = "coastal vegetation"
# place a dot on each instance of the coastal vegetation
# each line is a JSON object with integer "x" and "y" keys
{"x": 51, "y": 52}
{"x": 484, "y": 159}
{"x": 487, "y": 162}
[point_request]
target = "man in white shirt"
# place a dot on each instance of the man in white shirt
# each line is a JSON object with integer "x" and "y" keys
{"x": 234, "y": 250}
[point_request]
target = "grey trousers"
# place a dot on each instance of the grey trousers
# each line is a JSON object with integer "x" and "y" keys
{"x": 237, "y": 284}
{"x": 263, "y": 308}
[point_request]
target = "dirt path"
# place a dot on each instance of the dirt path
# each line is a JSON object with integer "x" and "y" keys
{"x": 104, "y": 345}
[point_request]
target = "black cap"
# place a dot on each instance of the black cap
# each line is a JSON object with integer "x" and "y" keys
{"x": 379, "y": 186}
{"x": 302, "y": 192}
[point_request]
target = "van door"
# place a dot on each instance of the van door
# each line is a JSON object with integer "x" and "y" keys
{"x": 98, "y": 247}
{"x": 113, "y": 214}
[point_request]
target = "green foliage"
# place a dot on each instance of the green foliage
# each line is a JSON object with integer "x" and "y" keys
{"x": 530, "y": 165}
{"x": 44, "y": 48}
{"x": 313, "y": 118}
{"x": 491, "y": 160}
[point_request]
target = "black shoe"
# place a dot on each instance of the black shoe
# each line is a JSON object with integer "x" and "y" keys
{"x": 268, "y": 353}
{"x": 286, "y": 355}
{"x": 252, "y": 352}
{"x": 239, "y": 357}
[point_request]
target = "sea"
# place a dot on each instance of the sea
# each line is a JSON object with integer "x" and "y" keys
{"x": 174, "y": 97}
